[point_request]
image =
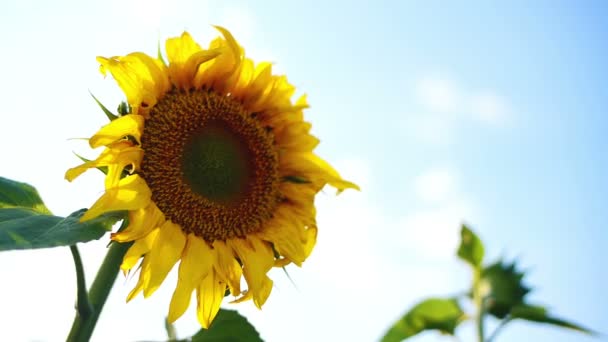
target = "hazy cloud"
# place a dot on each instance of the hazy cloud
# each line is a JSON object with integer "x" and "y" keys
{"x": 441, "y": 105}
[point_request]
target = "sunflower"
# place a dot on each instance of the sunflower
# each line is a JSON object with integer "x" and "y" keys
{"x": 214, "y": 164}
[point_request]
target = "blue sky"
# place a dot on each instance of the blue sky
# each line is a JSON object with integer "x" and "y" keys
{"x": 493, "y": 114}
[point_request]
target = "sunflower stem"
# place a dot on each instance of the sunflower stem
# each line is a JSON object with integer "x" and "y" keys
{"x": 83, "y": 325}
{"x": 479, "y": 304}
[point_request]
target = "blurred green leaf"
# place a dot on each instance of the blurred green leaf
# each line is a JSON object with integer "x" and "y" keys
{"x": 16, "y": 194}
{"x": 539, "y": 314}
{"x": 505, "y": 288}
{"x": 431, "y": 314}
{"x": 471, "y": 249}
{"x": 229, "y": 326}
{"x": 22, "y": 228}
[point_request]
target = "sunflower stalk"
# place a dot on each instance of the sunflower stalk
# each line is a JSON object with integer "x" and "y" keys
{"x": 479, "y": 303}
{"x": 83, "y": 325}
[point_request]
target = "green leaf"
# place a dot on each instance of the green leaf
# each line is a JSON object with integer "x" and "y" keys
{"x": 536, "y": 313}
{"x": 505, "y": 288}
{"x": 431, "y": 314}
{"x": 471, "y": 249}
{"x": 22, "y": 228}
{"x": 16, "y": 194}
{"x": 228, "y": 325}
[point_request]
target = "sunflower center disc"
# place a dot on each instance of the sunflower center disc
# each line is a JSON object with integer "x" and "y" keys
{"x": 215, "y": 164}
{"x": 211, "y": 165}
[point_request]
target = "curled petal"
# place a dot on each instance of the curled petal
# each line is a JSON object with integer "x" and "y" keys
{"x": 209, "y": 296}
{"x": 257, "y": 258}
{"x": 137, "y": 250}
{"x": 141, "y": 223}
{"x": 227, "y": 267}
{"x": 197, "y": 262}
{"x": 131, "y": 193}
{"x": 167, "y": 250}
{"x": 128, "y": 125}
{"x": 122, "y": 153}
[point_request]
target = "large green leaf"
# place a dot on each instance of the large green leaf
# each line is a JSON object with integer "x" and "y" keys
{"x": 471, "y": 249}
{"x": 506, "y": 288}
{"x": 432, "y": 314}
{"x": 539, "y": 314}
{"x": 22, "y": 228}
{"x": 229, "y": 326}
{"x": 16, "y": 194}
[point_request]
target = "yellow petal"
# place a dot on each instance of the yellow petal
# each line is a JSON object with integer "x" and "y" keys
{"x": 109, "y": 156}
{"x": 227, "y": 267}
{"x": 133, "y": 77}
{"x": 197, "y": 261}
{"x": 129, "y": 156}
{"x": 261, "y": 80}
{"x": 290, "y": 232}
{"x": 131, "y": 193}
{"x": 166, "y": 251}
{"x": 239, "y": 81}
{"x": 179, "y": 49}
{"x": 232, "y": 44}
{"x": 137, "y": 250}
{"x": 335, "y": 180}
{"x": 311, "y": 240}
{"x": 217, "y": 74}
{"x": 294, "y": 137}
{"x": 257, "y": 258}
{"x": 128, "y": 125}
{"x": 209, "y": 296}
{"x": 264, "y": 292}
{"x": 281, "y": 262}
{"x": 141, "y": 222}
{"x": 153, "y": 73}
{"x": 184, "y": 77}
{"x": 144, "y": 275}
{"x": 314, "y": 169}
{"x": 127, "y": 81}
{"x": 286, "y": 238}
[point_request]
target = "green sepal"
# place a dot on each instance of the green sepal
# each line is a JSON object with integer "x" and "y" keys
{"x": 106, "y": 111}
{"x": 103, "y": 169}
{"x": 228, "y": 325}
{"x": 539, "y": 314}
{"x": 16, "y": 194}
{"x": 431, "y": 314}
{"x": 505, "y": 288}
{"x": 124, "y": 108}
{"x": 170, "y": 329}
{"x": 296, "y": 179}
{"x": 471, "y": 248}
{"x": 22, "y": 228}
{"x": 159, "y": 54}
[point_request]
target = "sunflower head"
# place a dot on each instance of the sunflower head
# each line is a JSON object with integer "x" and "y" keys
{"x": 215, "y": 165}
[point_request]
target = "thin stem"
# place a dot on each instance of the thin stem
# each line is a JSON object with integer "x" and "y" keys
{"x": 479, "y": 303}
{"x": 83, "y": 306}
{"x": 498, "y": 328}
{"x": 83, "y": 327}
